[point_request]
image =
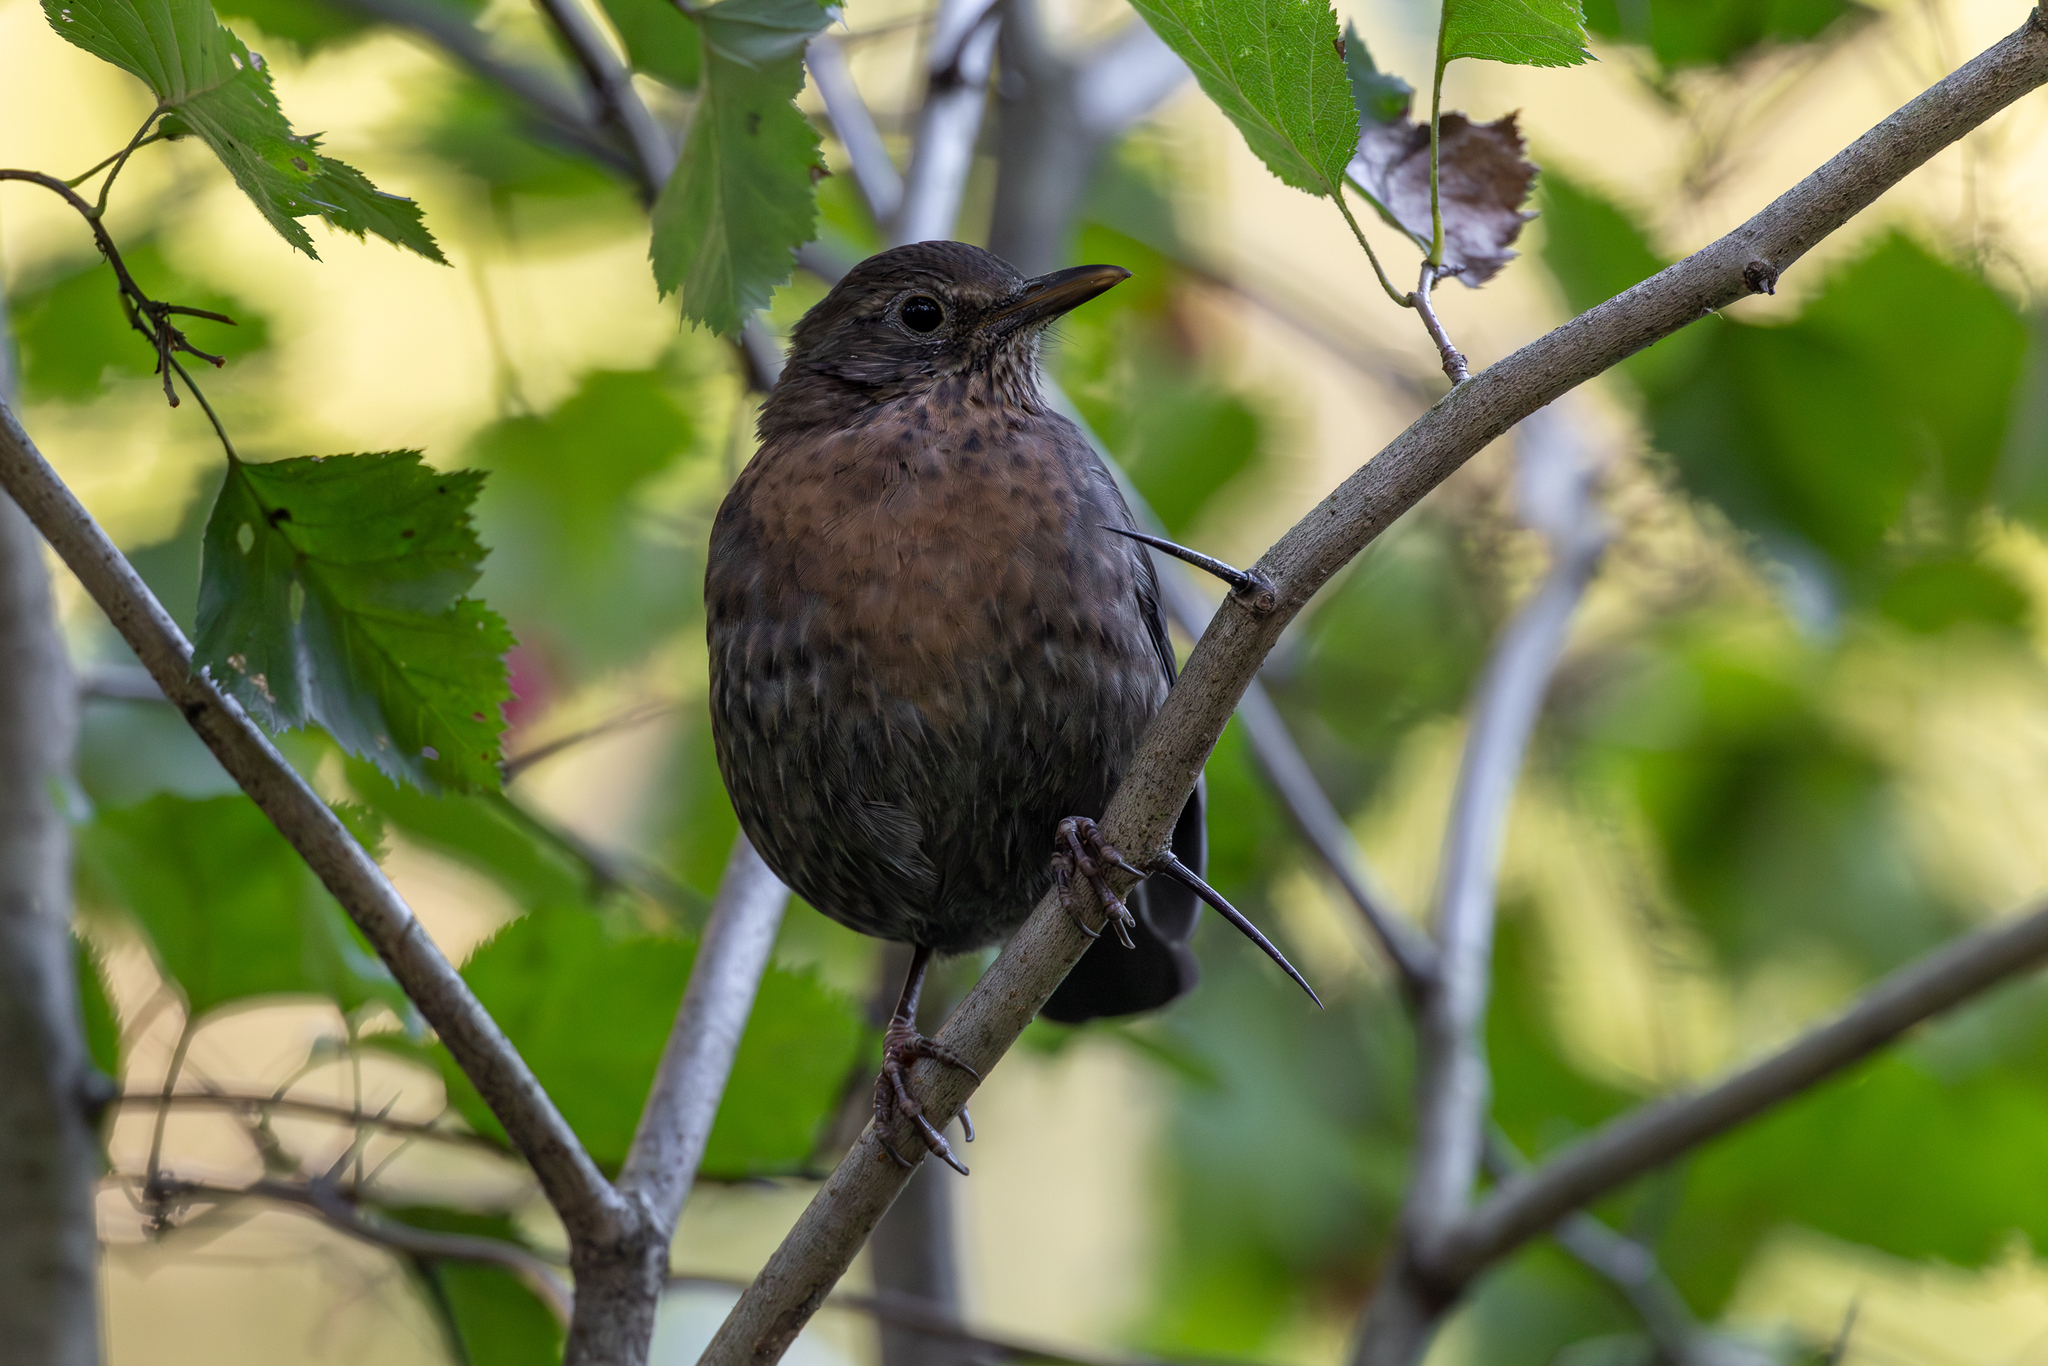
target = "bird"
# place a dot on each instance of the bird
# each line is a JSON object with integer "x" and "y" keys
{"x": 935, "y": 641}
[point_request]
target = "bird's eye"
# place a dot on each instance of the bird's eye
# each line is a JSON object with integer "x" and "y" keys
{"x": 922, "y": 313}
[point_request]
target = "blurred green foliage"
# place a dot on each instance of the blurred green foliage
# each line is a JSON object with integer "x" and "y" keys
{"x": 590, "y": 1012}
{"x": 75, "y": 337}
{"x": 1682, "y": 33}
{"x": 489, "y": 1316}
{"x": 231, "y": 911}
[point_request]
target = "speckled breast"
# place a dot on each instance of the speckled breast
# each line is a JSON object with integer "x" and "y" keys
{"x": 925, "y": 652}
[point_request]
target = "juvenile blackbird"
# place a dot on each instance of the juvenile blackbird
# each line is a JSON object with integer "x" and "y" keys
{"x": 935, "y": 644}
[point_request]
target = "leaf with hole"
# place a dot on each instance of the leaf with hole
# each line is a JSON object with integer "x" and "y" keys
{"x": 330, "y": 594}
{"x": 219, "y": 91}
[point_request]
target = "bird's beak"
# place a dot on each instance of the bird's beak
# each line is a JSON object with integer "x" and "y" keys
{"x": 1048, "y": 296}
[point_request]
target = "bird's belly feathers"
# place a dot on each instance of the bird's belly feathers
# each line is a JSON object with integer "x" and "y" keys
{"x": 918, "y": 668}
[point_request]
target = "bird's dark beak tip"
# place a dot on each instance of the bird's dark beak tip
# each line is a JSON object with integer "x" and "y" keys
{"x": 1048, "y": 296}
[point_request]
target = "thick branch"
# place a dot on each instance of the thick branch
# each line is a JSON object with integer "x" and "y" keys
{"x": 586, "y": 1202}
{"x": 731, "y": 958}
{"x": 49, "y": 1159}
{"x": 829, "y": 1233}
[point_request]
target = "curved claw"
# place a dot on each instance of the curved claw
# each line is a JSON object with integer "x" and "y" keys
{"x": 1078, "y": 846}
{"x": 966, "y": 1125}
{"x": 936, "y": 1143}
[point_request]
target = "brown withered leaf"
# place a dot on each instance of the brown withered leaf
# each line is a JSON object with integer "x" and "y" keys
{"x": 1485, "y": 180}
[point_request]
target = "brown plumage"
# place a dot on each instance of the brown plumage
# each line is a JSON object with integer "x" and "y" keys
{"x": 928, "y": 649}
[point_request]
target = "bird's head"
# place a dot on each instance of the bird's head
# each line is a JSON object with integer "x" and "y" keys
{"x": 907, "y": 318}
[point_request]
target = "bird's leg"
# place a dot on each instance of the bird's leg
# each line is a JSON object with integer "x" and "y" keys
{"x": 1255, "y": 588}
{"x": 1078, "y": 848}
{"x": 902, "y": 1046}
{"x": 1166, "y": 863}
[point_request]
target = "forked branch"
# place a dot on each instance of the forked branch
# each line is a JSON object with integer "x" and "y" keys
{"x": 829, "y": 1233}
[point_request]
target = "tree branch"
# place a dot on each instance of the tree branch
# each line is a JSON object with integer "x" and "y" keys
{"x": 553, "y": 102}
{"x": 829, "y": 1232}
{"x": 1453, "y": 1085}
{"x": 963, "y": 49}
{"x": 542, "y": 1278}
{"x": 1056, "y": 116}
{"x": 588, "y": 1205}
{"x": 49, "y": 1157}
{"x": 1639, "y": 1142}
{"x": 616, "y": 1306}
{"x": 873, "y": 171}
{"x": 611, "y": 86}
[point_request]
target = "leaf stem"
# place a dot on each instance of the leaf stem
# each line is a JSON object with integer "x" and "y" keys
{"x": 207, "y": 408}
{"x": 121, "y": 159}
{"x": 1356, "y": 231}
{"x": 1436, "y": 109}
{"x": 102, "y": 165}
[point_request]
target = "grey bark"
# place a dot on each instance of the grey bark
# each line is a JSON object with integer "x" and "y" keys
{"x": 49, "y": 1090}
{"x": 829, "y": 1233}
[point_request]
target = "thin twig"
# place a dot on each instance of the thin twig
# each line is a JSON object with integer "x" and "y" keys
{"x": 1629, "y": 1266}
{"x": 551, "y": 100}
{"x": 1454, "y": 359}
{"x": 544, "y": 1279}
{"x": 611, "y": 86}
{"x": 1141, "y": 813}
{"x": 637, "y": 715}
{"x": 585, "y": 1200}
{"x": 287, "y": 1105}
{"x": 910, "y": 1311}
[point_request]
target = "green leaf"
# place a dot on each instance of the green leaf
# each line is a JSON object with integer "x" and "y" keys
{"x": 591, "y": 1013}
{"x": 96, "y": 1011}
{"x": 659, "y": 40}
{"x": 230, "y": 908}
{"x": 1521, "y": 32}
{"x": 1272, "y": 67}
{"x": 330, "y": 594}
{"x": 1380, "y": 96}
{"x": 221, "y": 92}
{"x": 740, "y": 202}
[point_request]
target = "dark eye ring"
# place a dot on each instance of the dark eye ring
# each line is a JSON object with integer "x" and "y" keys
{"x": 922, "y": 313}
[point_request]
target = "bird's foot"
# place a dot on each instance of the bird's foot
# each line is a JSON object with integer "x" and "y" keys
{"x": 902, "y": 1046}
{"x": 1078, "y": 848}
